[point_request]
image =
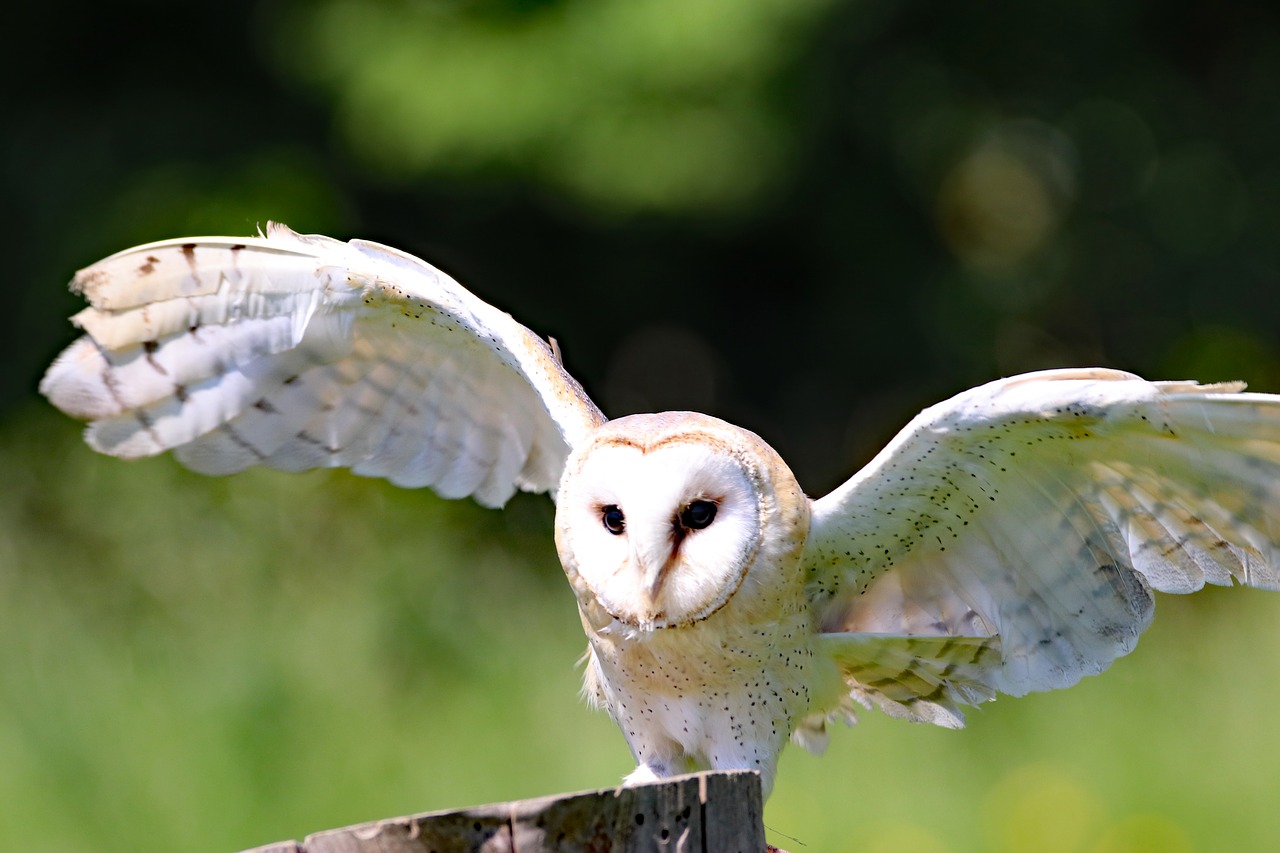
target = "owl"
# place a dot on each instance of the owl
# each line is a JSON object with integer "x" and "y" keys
{"x": 1007, "y": 540}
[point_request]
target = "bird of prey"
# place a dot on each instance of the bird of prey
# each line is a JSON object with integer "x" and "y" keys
{"x": 1007, "y": 540}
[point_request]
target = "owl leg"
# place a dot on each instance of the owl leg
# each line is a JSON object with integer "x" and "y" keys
{"x": 742, "y": 751}
{"x": 653, "y": 768}
{"x": 650, "y": 771}
{"x": 657, "y": 756}
{"x": 766, "y": 767}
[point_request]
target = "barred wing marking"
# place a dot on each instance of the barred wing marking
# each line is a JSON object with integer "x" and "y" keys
{"x": 1041, "y": 511}
{"x": 301, "y": 351}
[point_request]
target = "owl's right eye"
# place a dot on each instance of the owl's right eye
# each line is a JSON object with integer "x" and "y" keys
{"x": 614, "y": 521}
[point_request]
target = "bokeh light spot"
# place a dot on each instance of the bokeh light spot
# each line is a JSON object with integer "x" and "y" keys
{"x": 1005, "y": 198}
{"x": 1043, "y": 809}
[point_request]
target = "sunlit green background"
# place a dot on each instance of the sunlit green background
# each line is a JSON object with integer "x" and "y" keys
{"x": 811, "y": 217}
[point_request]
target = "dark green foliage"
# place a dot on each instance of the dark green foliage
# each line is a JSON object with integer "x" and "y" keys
{"x": 811, "y": 218}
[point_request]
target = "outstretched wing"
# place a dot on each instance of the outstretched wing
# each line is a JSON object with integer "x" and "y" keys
{"x": 300, "y": 352}
{"x": 1028, "y": 520}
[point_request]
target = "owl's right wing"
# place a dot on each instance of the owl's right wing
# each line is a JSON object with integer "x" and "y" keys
{"x": 299, "y": 352}
{"x": 1008, "y": 539}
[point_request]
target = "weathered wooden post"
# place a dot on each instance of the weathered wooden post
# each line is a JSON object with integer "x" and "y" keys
{"x": 696, "y": 813}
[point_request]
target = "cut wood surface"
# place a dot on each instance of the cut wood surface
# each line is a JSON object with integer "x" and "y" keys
{"x": 697, "y": 813}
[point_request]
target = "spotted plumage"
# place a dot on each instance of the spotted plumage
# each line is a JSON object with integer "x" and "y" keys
{"x": 1008, "y": 540}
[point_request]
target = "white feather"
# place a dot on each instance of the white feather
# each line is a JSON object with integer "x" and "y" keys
{"x": 301, "y": 351}
{"x": 1042, "y": 510}
{"x": 1008, "y": 539}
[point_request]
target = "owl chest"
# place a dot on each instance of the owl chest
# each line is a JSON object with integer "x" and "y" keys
{"x": 709, "y": 693}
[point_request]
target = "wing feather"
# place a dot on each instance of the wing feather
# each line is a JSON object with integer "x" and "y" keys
{"x": 920, "y": 678}
{"x": 1041, "y": 511}
{"x": 300, "y": 351}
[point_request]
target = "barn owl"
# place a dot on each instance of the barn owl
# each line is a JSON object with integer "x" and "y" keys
{"x": 1008, "y": 540}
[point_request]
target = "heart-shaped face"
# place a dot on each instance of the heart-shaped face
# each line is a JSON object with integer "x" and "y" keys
{"x": 660, "y": 518}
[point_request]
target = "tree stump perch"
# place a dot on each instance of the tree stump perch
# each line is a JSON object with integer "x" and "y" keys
{"x": 696, "y": 813}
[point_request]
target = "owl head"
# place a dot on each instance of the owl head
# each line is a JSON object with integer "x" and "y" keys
{"x": 664, "y": 519}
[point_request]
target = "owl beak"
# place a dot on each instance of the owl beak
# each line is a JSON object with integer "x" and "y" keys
{"x": 655, "y": 576}
{"x": 655, "y": 565}
{"x": 655, "y": 555}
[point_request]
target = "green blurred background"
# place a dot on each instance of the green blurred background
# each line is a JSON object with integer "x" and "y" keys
{"x": 900, "y": 199}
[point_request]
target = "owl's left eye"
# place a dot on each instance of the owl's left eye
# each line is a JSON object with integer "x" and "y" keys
{"x": 614, "y": 521}
{"x": 698, "y": 514}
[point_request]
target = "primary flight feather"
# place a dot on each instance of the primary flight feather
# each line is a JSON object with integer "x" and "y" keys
{"x": 1008, "y": 540}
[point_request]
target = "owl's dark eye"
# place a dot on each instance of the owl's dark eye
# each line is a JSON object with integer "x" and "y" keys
{"x": 614, "y": 521}
{"x": 698, "y": 515}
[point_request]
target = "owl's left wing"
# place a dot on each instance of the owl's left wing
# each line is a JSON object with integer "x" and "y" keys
{"x": 299, "y": 351}
{"x": 1008, "y": 539}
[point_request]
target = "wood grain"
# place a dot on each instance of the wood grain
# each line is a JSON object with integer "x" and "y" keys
{"x": 695, "y": 813}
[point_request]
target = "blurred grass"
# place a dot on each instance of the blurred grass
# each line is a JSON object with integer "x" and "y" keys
{"x": 209, "y": 664}
{"x": 1175, "y": 741}
{"x": 930, "y": 195}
